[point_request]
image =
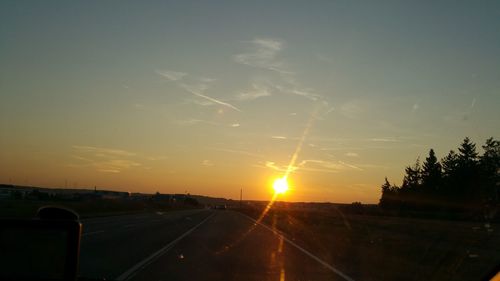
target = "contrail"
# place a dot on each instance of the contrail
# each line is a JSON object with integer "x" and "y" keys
{"x": 217, "y": 101}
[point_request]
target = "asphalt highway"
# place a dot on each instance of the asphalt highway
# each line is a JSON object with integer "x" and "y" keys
{"x": 195, "y": 245}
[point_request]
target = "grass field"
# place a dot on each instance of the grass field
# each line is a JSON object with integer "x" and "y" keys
{"x": 391, "y": 248}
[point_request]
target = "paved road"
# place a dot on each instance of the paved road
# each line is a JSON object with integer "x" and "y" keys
{"x": 111, "y": 245}
{"x": 194, "y": 245}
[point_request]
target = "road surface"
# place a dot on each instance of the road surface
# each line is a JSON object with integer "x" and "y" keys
{"x": 194, "y": 245}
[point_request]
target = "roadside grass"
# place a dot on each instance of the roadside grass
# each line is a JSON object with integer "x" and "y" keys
{"x": 391, "y": 248}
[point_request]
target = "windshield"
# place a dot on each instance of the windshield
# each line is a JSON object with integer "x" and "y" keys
{"x": 259, "y": 140}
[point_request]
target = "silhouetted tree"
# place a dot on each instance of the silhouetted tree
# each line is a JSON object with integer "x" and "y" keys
{"x": 490, "y": 170}
{"x": 389, "y": 198}
{"x": 408, "y": 194}
{"x": 431, "y": 174}
{"x": 449, "y": 189}
{"x": 450, "y": 164}
{"x": 467, "y": 156}
{"x": 467, "y": 177}
{"x": 464, "y": 183}
{"x": 413, "y": 177}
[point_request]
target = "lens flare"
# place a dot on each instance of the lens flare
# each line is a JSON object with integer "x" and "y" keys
{"x": 280, "y": 185}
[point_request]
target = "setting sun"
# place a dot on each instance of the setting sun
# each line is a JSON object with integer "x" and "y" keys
{"x": 280, "y": 185}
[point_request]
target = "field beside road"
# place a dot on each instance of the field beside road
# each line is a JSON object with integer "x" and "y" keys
{"x": 152, "y": 240}
{"x": 89, "y": 208}
{"x": 390, "y": 248}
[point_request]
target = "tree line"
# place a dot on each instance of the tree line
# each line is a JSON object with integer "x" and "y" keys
{"x": 462, "y": 182}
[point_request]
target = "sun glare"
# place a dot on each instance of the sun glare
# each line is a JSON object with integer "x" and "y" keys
{"x": 280, "y": 185}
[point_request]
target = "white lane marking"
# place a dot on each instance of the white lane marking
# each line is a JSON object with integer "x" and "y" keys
{"x": 93, "y": 232}
{"x": 145, "y": 262}
{"x": 325, "y": 264}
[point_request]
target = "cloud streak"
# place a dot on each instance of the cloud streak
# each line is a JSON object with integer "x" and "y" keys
{"x": 107, "y": 160}
{"x": 207, "y": 163}
{"x": 101, "y": 151}
{"x": 257, "y": 91}
{"x": 190, "y": 122}
{"x": 171, "y": 75}
{"x": 217, "y": 101}
{"x": 239, "y": 152}
{"x": 314, "y": 165}
{"x": 197, "y": 88}
{"x": 263, "y": 54}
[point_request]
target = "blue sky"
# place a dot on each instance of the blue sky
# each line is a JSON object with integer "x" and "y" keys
{"x": 209, "y": 97}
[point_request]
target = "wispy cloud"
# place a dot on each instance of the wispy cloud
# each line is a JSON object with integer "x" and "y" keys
{"x": 235, "y": 151}
{"x": 257, "y": 91}
{"x": 352, "y": 109}
{"x": 282, "y": 169}
{"x": 107, "y": 160}
{"x": 279, "y": 137}
{"x": 207, "y": 163}
{"x": 263, "y": 54}
{"x": 292, "y": 87}
{"x": 193, "y": 121}
{"x": 309, "y": 94}
{"x": 139, "y": 106}
{"x": 352, "y": 154}
{"x": 115, "y": 165}
{"x": 384, "y": 139}
{"x": 101, "y": 151}
{"x": 326, "y": 166}
{"x": 171, "y": 75}
{"x": 314, "y": 165}
{"x": 217, "y": 101}
{"x": 350, "y": 166}
{"x": 207, "y": 80}
{"x": 195, "y": 86}
{"x": 190, "y": 122}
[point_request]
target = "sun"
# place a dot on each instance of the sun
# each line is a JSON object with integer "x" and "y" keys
{"x": 280, "y": 185}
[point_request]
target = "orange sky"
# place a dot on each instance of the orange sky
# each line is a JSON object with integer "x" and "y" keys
{"x": 211, "y": 98}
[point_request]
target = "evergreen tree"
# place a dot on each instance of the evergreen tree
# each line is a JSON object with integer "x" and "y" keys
{"x": 389, "y": 195}
{"x": 467, "y": 157}
{"x": 450, "y": 164}
{"x": 411, "y": 186}
{"x": 386, "y": 189}
{"x": 449, "y": 188}
{"x": 413, "y": 177}
{"x": 490, "y": 170}
{"x": 467, "y": 178}
{"x": 464, "y": 183}
{"x": 431, "y": 174}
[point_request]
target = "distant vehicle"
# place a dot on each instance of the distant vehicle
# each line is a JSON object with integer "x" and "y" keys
{"x": 220, "y": 207}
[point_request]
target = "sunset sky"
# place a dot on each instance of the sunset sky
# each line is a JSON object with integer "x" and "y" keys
{"x": 208, "y": 97}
